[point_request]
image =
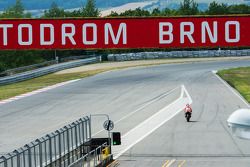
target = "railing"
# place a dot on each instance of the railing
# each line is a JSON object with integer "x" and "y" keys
{"x": 43, "y": 64}
{"x": 60, "y": 148}
{"x": 27, "y": 68}
{"x": 70, "y": 58}
{"x": 46, "y": 70}
{"x": 97, "y": 157}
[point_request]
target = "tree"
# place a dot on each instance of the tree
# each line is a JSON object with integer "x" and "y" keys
{"x": 136, "y": 12}
{"x": 156, "y": 12}
{"x": 216, "y": 9}
{"x": 75, "y": 13}
{"x": 239, "y": 9}
{"x": 16, "y": 11}
{"x": 188, "y": 7}
{"x": 54, "y": 11}
{"x": 169, "y": 12}
{"x": 113, "y": 14}
{"x": 90, "y": 9}
{"x": 2, "y": 67}
{"x": 14, "y": 58}
{"x": 18, "y": 8}
{"x": 141, "y": 12}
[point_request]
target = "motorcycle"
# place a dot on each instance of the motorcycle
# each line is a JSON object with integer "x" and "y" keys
{"x": 188, "y": 116}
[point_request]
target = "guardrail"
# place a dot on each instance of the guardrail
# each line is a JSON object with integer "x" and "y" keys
{"x": 26, "y": 68}
{"x": 46, "y": 70}
{"x": 70, "y": 58}
{"x": 177, "y": 54}
{"x": 60, "y": 148}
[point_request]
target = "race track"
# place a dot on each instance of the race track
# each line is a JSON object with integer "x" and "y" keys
{"x": 130, "y": 97}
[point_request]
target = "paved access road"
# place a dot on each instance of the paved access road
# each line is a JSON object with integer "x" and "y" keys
{"x": 130, "y": 97}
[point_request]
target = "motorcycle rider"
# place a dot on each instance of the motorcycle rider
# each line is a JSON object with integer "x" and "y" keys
{"x": 187, "y": 110}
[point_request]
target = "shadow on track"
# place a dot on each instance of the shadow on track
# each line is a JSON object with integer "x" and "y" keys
{"x": 193, "y": 121}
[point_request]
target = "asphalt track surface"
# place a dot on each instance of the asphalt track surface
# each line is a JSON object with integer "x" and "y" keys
{"x": 131, "y": 96}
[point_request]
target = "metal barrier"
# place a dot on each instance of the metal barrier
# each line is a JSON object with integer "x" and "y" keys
{"x": 27, "y": 68}
{"x": 177, "y": 54}
{"x": 58, "y": 149}
{"x": 46, "y": 70}
{"x": 97, "y": 157}
{"x": 43, "y": 64}
{"x": 70, "y": 58}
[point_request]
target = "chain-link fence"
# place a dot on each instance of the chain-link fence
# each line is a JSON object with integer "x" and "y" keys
{"x": 58, "y": 149}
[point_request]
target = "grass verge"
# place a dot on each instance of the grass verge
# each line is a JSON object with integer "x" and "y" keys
{"x": 8, "y": 91}
{"x": 15, "y": 89}
{"x": 238, "y": 78}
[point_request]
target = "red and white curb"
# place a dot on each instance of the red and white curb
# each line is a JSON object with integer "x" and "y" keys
{"x": 36, "y": 92}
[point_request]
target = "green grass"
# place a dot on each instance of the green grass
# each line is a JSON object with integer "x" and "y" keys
{"x": 8, "y": 91}
{"x": 12, "y": 90}
{"x": 239, "y": 78}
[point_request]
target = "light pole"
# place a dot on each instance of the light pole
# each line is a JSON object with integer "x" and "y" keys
{"x": 56, "y": 58}
{"x": 107, "y": 116}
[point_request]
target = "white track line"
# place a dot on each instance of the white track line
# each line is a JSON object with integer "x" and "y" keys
{"x": 184, "y": 91}
{"x": 36, "y": 92}
{"x": 235, "y": 92}
{"x": 148, "y": 126}
{"x": 140, "y": 108}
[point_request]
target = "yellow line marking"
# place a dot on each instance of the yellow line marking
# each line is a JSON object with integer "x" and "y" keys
{"x": 168, "y": 163}
{"x": 171, "y": 162}
{"x": 115, "y": 162}
{"x": 165, "y": 164}
{"x": 181, "y": 163}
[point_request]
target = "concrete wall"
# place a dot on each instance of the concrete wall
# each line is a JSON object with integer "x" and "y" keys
{"x": 177, "y": 54}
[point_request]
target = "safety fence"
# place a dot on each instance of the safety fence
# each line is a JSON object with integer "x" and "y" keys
{"x": 58, "y": 149}
{"x": 46, "y": 70}
{"x": 43, "y": 64}
{"x": 177, "y": 54}
{"x": 97, "y": 157}
{"x": 27, "y": 68}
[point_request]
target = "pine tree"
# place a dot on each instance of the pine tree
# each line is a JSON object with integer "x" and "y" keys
{"x": 90, "y": 9}
{"x": 54, "y": 11}
{"x": 16, "y": 11}
{"x": 188, "y": 7}
{"x": 215, "y": 8}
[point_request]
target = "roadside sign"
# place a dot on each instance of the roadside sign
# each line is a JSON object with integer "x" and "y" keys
{"x": 108, "y": 125}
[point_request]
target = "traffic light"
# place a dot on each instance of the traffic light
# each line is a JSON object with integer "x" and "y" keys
{"x": 116, "y": 138}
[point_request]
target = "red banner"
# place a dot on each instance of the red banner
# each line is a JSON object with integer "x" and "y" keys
{"x": 162, "y": 32}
